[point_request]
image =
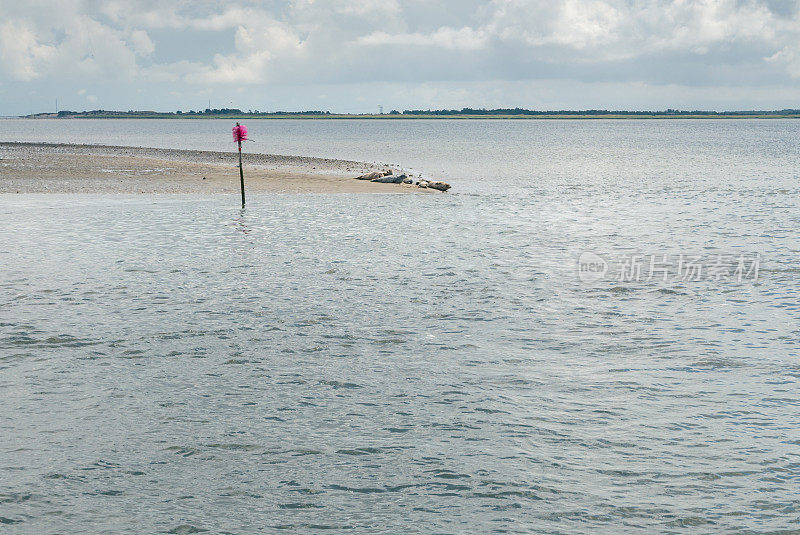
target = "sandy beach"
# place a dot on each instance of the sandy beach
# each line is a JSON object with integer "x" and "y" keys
{"x": 66, "y": 168}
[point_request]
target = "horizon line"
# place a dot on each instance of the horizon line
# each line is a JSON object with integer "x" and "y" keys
{"x": 394, "y": 113}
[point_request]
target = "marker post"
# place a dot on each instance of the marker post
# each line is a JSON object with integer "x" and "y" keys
{"x": 239, "y": 135}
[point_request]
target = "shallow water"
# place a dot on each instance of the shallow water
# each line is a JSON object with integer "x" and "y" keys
{"x": 490, "y": 156}
{"x": 432, "y": 364}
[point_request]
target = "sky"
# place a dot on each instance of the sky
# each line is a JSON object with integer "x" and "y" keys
{"x": 352, "y": 56}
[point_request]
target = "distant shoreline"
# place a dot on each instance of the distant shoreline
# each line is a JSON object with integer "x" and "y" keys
{"x": 464, "y": 114}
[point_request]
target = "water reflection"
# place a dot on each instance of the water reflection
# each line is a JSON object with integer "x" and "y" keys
{"x": 241, "y": 222}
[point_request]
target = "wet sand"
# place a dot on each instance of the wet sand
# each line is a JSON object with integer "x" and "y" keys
{"x": 65, "y": 168}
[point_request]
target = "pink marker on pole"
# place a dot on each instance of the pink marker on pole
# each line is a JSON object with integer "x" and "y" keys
{"x": 239, "y": 135}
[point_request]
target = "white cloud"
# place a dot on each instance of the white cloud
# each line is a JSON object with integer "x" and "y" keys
{"x": 611, "y": 29}
{"x": 572, "y": 23}
{"x": 257, "y": 43}
{"x": 789, "y": 58}
{"x": 141, "y": 42}
{"x": 447, "y": 38}
{"x": 333, "y": 10}
{"x": 697, "y": 25}
{"x": 21, "y": 53}
{"x": 362, "y": 8}
{"x": 607, "y": 30}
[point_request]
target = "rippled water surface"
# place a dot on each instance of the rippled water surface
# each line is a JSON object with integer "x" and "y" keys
{"x": 419, "y": 363}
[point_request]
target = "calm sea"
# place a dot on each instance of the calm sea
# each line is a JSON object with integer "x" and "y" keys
{"x": 597, "y": 329}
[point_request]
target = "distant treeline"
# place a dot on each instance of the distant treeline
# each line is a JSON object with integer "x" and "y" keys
{"x": 463, "y": 112}
{"x": 522, "y": 111}
{"x": 207, "y": 111}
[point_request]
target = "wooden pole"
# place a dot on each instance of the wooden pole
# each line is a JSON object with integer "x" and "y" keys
{"x": 241, "y": 171}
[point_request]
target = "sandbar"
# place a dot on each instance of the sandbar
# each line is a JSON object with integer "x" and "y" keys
{"x": 73, "y": 168}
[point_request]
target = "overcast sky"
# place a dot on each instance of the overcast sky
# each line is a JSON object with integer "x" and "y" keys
{"x": 354, "y": 55}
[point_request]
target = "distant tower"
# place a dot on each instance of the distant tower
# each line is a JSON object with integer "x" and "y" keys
{"x": 56, "y": 106}
{"x": 380, "y": 110}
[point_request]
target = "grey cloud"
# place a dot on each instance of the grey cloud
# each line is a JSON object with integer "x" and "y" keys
{"x": 213, "y": 46}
